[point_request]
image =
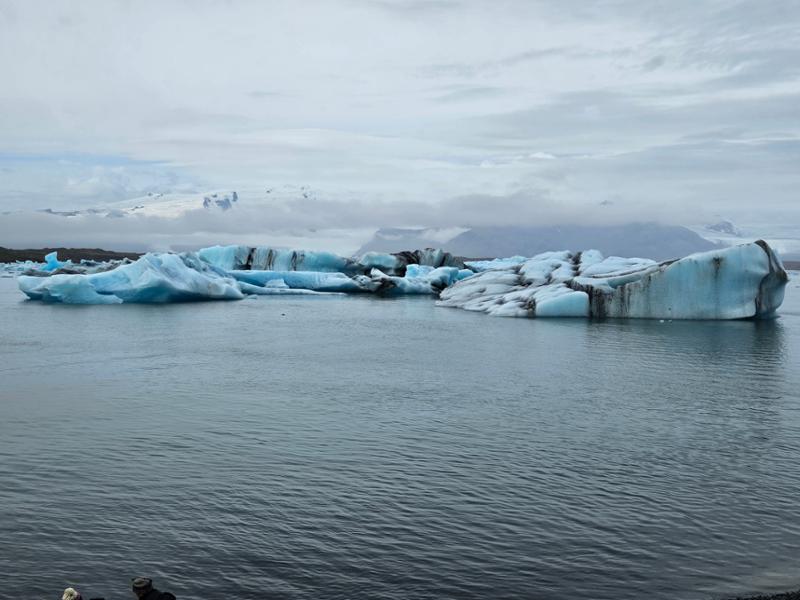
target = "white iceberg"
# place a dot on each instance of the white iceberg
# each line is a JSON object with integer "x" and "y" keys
{"x": 745, "y": 281}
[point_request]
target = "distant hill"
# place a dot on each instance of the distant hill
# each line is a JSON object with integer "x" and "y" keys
{"x": 8, "y": 255}
{"x": 645, "y": 240}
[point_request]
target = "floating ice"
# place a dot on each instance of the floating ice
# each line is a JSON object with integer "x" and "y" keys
{"x": 266, "y": 258}
{"x": 496, "y": 263}
{"x": 15, "y": 268}
{"x": 318, "y": 281}
{"x": 207, "y": 275}
{"x": 51, "y": 262}
{"x": 152, "y": 278}
{"x": 740, "y": 282}
{"x": 734, "y": 283}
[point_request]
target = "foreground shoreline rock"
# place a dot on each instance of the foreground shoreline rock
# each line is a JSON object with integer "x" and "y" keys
{"x": 740, "y": 282}
{"x": 782, "y": 596}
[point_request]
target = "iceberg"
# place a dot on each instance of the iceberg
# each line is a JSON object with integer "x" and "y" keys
{"x": 15, "y": 268}
{"x": 266, "y": 258}
{"x": 51, "y": 262}
{"x": 746, "y": 281}
{"x": 154, "y": 278}
{"x": 208, "y": 275}
{"x": 495, "y": 263}
{"x": 318, "y": 281}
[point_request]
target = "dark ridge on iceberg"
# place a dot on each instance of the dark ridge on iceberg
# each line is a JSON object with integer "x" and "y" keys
{"x": 74, "y": 254}
{"x": 644, "y": 240}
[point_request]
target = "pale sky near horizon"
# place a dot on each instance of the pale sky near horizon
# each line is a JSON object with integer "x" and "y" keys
{"x": 683, "y": 111}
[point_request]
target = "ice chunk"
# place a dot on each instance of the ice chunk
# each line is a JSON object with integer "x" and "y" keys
{"x": 496, "y": 263}
{"x": 387, "y": 263}
{"x": 270, "y": 289}
{"x": 225, "y": 257}
{"x": 266, "y": 258}
{"x": 424, "y": 280}
{"x": 15, "y": 268}
{"x": 305, "y": 280}
{"x": 154, "y": 278}
{"x": 418, "y": 270}
{"x": 51, "y": 262}
{"x": 68, "y": 289}
{"x": 739, "y": 282}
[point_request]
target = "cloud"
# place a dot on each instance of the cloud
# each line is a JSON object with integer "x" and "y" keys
{"x": 340, "y": 224}
{"x": 671, "y": 111}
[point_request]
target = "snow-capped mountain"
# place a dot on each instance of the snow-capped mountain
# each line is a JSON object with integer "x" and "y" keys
{"x": 784, "y": 238}
{"x": 173, "y": 205}
{"x": 725, "y": 227}
{"x": 647, "y": 240}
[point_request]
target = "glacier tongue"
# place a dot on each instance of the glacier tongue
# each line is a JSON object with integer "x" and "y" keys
{"x": 734, "y": 283}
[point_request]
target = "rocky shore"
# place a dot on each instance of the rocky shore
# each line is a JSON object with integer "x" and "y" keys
{"x": 784, "y": 596}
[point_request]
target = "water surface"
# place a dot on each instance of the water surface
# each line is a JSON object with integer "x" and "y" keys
{"x": 352, "y": 447}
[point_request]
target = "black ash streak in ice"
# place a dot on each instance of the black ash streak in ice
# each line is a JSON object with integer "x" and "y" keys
{"x": 745, "y": 281}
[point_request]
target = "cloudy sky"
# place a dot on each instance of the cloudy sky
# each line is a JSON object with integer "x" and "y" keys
{"x": 680, "y": 111}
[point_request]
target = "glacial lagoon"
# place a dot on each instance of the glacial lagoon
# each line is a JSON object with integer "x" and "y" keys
{"x": 354, "y": 446}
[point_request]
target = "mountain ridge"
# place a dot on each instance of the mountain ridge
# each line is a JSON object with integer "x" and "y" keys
{"x": 646, "y": 240}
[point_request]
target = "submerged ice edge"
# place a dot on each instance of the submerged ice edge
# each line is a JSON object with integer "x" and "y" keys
{"x": 740, "y": 282}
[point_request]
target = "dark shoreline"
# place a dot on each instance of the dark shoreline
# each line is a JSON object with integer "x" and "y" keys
{"x": 783, "y": 596}
{"x": 8, "y": 255}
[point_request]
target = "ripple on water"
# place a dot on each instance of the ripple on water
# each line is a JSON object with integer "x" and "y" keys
{"x": 392, "y": 449}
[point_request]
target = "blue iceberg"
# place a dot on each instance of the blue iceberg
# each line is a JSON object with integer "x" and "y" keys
{"x": 267, "y": 258}
{"x": 233, "y": 272}
{"x": 154, "y": 278}
{"x": 746, "y": 281}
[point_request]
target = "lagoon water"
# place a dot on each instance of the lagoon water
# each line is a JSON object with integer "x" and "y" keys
{"x": 351, "y": 447}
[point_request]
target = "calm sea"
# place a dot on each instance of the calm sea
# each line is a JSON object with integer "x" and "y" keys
{"x": 351, "y": 447}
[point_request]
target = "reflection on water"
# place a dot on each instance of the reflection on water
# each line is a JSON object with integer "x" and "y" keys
{"x": 345, "y": 447}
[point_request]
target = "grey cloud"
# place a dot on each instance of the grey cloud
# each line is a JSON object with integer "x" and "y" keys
{"x": 654, "y": 63}
{"x": 664, "y": 108}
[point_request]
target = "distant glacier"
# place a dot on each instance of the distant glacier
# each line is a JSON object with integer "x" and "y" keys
{"x": 745, "y": 281}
